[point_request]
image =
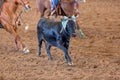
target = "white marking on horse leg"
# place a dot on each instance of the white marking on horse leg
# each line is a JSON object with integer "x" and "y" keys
{"x": 84, "y": 0}
{"x": 26, "y": 50}
{"x": 26, "y": 27}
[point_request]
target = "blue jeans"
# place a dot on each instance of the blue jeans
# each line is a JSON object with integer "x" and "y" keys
{"x": 54, "y": 4}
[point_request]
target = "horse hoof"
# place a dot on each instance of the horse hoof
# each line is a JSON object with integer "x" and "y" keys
{"x": 25, "y": 50}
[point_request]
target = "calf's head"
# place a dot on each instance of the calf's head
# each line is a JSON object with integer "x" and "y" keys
{"x": 69, "y": 25}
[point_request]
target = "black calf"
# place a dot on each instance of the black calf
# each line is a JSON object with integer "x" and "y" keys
{"x": 56, "y": 34}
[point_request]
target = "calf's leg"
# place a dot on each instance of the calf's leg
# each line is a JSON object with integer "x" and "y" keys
{"x": 48, "y": 46}
{"x": 67, "y": 57}
{"x": 39, "y": 44}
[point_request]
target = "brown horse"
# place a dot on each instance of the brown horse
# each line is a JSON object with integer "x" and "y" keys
{"x": 9, "y": 17}
{"x": 64, "y": 8}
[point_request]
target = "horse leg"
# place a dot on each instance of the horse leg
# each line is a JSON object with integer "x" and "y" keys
{"x": 18, "y": 39}
{"x": 13, "y": 31}
{"x": 80, "y": 32}
{"x": 18, "y": 20}
{"x": 47, "y": 13}
{"x": 41, "y": 9}
{"x": 16, "y": 35}
{"x": 24, "y": 48}
{"x": 9, "y": 29}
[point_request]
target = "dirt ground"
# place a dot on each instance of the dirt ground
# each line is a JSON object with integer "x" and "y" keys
{"x": 96, "y": 57}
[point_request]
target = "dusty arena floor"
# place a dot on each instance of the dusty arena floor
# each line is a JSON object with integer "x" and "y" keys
{"x": 96, "y": 57}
